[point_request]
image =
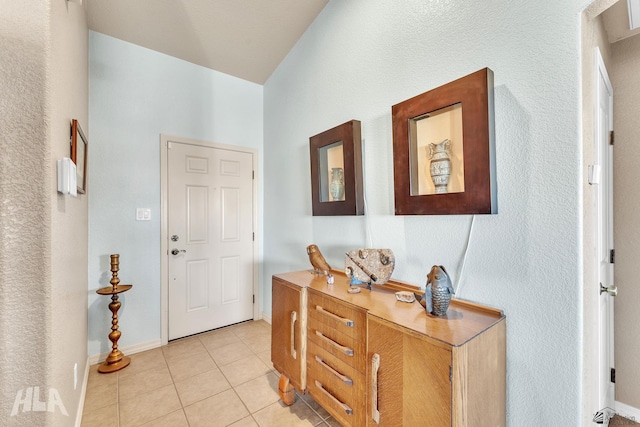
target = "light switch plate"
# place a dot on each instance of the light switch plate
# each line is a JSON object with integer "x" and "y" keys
{"x": 143, "y": 214}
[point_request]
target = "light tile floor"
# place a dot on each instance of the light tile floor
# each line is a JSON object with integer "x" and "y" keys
{"x": 218, "y": 378}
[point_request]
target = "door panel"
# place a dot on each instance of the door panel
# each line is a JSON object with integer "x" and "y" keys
{"x": 210, "y": 209}
{"x": 604, "y": 191}
{"x": 197, "y": 214}
{"x": 231, "y": 275}
{"x": 197, "y": 285}
{"x": 230, "y": 215}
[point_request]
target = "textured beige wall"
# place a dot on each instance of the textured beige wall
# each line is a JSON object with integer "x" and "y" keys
{"x": 25, "y": 198}
{"x": 625, "y": 76}
{"x": 593, "y": 35}
{"x": 43, "y": 264}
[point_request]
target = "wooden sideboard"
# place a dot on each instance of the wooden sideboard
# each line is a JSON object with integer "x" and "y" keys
{"x": 371, "y": 360}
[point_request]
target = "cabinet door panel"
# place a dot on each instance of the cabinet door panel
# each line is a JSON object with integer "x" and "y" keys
{"x": 387, "y": 380}
{"x": 427, "y": 385}
{"x": 412, "y": 381}
{"x": 287, "y": 341}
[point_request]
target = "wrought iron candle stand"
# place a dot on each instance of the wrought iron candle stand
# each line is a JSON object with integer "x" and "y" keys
{"x": 116, "y": 360}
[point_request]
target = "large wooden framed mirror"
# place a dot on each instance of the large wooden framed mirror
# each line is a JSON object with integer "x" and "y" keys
{"x": 444, "y": 149}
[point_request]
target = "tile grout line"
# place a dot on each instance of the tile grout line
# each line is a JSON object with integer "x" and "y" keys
{"x": 173, "y": 381}
{"x": 251, "y": 339}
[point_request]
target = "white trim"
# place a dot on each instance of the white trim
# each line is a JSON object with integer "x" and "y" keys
{"x": 164, "y": 248}
{"x": 83, "y": 394}
{"x": 602, "y": 69}
{"x": 266, "y": 318}
{"x": 634, "y": 13}
{"x": 133, "y": 349}
{"x": 627, "y": 411}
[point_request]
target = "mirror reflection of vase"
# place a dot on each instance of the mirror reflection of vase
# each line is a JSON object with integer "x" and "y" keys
{"x": 440, "y": 166}
{"x": 336, "y": 188}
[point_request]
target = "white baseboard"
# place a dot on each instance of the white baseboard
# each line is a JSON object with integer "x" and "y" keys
{"x": 83, "y": 393}
{"x": 627, "y": 411}
{"x": 266, "y": 318}
{"x": 132, "y": 349}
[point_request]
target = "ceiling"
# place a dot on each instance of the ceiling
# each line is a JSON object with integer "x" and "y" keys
{"x": 616, "y": 22}
{"x": 243, "y": 38}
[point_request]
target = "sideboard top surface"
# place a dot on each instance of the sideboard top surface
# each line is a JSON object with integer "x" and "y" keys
{"x": 463, "y": 321}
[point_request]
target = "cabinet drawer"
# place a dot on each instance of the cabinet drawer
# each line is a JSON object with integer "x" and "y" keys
{"x": 349, "y": 350}
{"x": 347, "y": 405}
{"x": 330, "y": 369}
{"x": 337, "y": 315}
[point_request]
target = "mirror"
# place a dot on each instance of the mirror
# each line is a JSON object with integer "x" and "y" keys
{"x": 336, "y": 171}
{"x": 444, "y": 158}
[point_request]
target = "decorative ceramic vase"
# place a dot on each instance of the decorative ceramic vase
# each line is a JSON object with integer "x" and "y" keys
{"x": 336, "y": 187}
{"x": 440, "y": 166}
{"x": 438, "y": 292}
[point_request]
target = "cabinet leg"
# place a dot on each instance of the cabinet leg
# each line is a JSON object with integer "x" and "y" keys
{"x": 286, "y": 391}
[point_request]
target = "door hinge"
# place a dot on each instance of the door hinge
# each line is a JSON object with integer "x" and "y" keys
{"x": 254, "y": 298}
{"x": 611, "y": 138}
{"x": 253, "y": 236}
{"x": 253, "y": 174}
{"x": 612, "y": 256}
{"x": 450, "y": 374}
{"x": 613, "y": 375}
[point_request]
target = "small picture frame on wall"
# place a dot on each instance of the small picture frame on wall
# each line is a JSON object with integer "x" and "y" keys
{"x": 336, "y": 171}
{"x": 444, "y": 149}
{"x": 79, "y": 145}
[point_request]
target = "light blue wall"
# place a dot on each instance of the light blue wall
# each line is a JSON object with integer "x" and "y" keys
{"x": 136, "y": 94}
{"x": 361, "y": 57}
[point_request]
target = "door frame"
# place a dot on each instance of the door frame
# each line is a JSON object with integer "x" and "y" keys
{"x": 602, "y": 193}
{"x": 164, "y": 224}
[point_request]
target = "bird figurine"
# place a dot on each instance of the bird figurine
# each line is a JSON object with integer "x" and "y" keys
{"x": 438, "y": 292}
{"x": 320, "y": 265}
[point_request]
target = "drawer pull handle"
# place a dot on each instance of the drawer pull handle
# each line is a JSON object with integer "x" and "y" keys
{"x": 375, "y": 365}
{"x": 346, "y": 350}
{"x": 347, "y": 410}
{"x": 343, "y": 320}
{"x": 345, "y": 379}
{"x": 294, "y": 317}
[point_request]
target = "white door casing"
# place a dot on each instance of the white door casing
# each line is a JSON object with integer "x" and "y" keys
{"x": 604, "y": 245}
{"x": 208, "y": 204}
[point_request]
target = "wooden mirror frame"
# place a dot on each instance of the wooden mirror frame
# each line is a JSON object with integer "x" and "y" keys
{"x": 353, "y": 203}
{"x": 475, "y": 93}
{"x": 79, "y": 145}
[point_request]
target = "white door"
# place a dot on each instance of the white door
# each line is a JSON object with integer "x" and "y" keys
{"x": 210, "y": 238}
{"x": 604, "y": 189}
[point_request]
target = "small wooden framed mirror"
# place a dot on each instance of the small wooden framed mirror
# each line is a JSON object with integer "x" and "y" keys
{"x": 336, "y": 171}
